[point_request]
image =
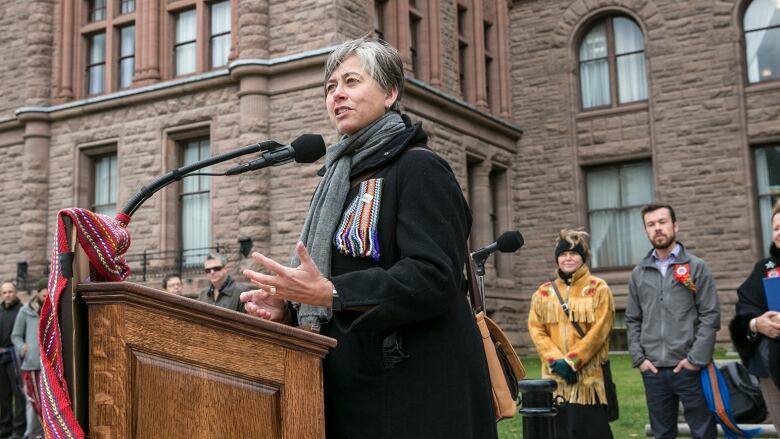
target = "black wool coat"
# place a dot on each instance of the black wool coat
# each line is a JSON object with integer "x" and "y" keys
{"x": 751, "y": 303}
{"x": 410, "y": 363}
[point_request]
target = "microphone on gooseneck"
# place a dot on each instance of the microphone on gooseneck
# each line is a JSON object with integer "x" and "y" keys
{"x": 508, "y": 242}
{"x": 307, "y": 148}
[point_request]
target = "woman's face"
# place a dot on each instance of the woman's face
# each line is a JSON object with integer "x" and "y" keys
{"x": 353, "y": 98}
{"x": 569, "y": 261}
{"x": 776, "y": 230}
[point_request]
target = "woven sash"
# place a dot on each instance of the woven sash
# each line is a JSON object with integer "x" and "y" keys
{"x": 105, "y": 241}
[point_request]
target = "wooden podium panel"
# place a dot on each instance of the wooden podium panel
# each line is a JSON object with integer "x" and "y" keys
{"x": 165, "y": 366}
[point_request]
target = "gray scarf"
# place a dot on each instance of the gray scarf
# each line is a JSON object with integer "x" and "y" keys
{"x": 331, "y": 194}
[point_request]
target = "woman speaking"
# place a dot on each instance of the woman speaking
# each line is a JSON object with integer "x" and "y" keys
{"x": 379, "y": 267}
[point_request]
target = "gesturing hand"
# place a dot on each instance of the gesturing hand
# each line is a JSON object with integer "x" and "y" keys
{"x": 304, "y": 283}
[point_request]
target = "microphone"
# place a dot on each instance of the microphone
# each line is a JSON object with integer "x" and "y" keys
{"x": 307, "y": 148}
{"x": 508, "y": 242}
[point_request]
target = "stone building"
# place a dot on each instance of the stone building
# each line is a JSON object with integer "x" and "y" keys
{"x": 624, "y": 102}
{"x": 620, "y": 103}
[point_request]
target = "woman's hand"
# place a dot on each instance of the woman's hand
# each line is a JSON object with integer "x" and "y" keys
{"x": 303, "y": 284}
{"x": 261, "y": 304}
{"x": 768, "y": 324}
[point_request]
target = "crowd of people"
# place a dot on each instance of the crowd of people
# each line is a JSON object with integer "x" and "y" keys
{"x": 379, "y": 267}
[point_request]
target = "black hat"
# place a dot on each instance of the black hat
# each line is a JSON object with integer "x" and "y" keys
{"x": 564, "y": 245}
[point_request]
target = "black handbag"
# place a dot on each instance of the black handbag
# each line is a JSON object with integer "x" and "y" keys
{"x": 613, "y": 409}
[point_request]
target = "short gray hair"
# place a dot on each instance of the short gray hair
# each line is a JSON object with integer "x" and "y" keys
{"x": 216, "y": 256}
{"x": 379, "y": 59}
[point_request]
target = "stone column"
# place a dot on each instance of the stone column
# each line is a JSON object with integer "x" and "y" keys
{"x": 254, "y": 211}
{"x": 34, "y": 218}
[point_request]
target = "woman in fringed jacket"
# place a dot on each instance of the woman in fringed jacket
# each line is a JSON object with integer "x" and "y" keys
{"x": 755, "y": 328}
{"x": 574, "y": 362}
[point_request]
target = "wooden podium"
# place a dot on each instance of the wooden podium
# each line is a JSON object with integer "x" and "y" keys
{"x": 148, "y": 364}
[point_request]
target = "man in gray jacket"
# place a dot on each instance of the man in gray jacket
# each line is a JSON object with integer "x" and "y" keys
{"x": 672, "y": 317}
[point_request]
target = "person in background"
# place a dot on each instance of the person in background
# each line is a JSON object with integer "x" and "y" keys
{"x": 380, "y": 268}
{"x": 755, "y": 328}
{"x": 172, "y": 284}
{"x": 574, "y": 362}
{"x": 672, "y": 317}
{"x": 223, "y": 291}
{"x": 25, "y": 339}
{"x": 12, "y": 422}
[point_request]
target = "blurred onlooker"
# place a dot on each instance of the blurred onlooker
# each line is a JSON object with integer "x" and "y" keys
{"x": 172, "y": 284}
{"x": 25, "y": 339}
{"x": 223, "y": 291}
{"x": 12, "y": 422}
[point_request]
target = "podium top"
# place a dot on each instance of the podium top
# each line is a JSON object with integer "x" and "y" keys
{"x": 205, "y": 314}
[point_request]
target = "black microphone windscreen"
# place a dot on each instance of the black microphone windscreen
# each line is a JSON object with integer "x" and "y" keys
{"x": 510, "y": 241}
{"x": 308, "y": 148}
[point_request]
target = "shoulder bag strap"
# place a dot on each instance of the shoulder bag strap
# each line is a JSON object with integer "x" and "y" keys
{"x": 565, "y": 307}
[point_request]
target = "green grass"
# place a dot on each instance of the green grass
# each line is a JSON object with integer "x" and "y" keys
{"x": 631, "y": 395}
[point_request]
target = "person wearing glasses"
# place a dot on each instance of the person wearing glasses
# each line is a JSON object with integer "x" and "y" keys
{"x": 223, "y": 291}
{"x": 172, "y": 283}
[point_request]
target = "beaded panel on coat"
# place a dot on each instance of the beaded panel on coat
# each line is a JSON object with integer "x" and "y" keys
{"x": 592, "y": 306}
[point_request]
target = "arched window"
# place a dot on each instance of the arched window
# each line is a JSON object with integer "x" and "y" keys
{"x": 612, "y": 64}
{"x": 762, "y": 40}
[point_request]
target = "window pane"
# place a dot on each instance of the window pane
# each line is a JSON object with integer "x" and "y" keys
{"x": 126, "y": 70}
{"x": 220, "y": 18}
{"x": 127, "y": 38}
{"x": 126, "y": 54}
{"x": 105, "y": 185}
{"x": 126, "y": 6}
{"x": 96, "y": 75}
{"x": 97, "y": 48}
{"x": 616, "y": 195}
{"x": 637, "y": 183}
{"x": 97, "y": 10}
{"x": 594, "y": 45}
{"x": 220, "y": 50}
{"x": 185, "y": 42}
{"x": 763, "y": 54}
{"x": 603, "y": 188}
{"x": 185, "y": 59}
{"x": 762, "y": 14}
{"x": 768, "y": 184}
{"x": 632, "y": 82}
{"x": 594, "y": 83}
{"x": 185, "y": 26}
{"x": 628, "y": 36}
{"x": 195, "y": 213}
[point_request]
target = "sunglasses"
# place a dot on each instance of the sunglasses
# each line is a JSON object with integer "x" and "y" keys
{"x": 212, "y": 269}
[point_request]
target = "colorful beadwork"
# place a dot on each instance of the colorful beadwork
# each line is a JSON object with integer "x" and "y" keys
{"x": 357, "y": 235}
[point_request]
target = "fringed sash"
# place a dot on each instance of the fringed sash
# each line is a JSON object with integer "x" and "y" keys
{"x": 356, "y": 235}
{"x": 105, "y": 241}
{"x": 717, "y": 395}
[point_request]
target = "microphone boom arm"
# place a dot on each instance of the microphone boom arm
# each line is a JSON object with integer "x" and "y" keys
{"x": 177, "y": 174}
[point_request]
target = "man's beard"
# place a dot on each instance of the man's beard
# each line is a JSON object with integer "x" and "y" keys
{"x": 663, "y": 245}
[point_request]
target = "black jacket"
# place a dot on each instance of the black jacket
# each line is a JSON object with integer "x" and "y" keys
{"x": 7, "y": 319}
{"x": 413, "y": 365}
{"x": 751, "y": 302}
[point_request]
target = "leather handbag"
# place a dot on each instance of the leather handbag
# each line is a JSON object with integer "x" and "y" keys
{"x": 504, "y": 366}
{"x": 613, "y": 409}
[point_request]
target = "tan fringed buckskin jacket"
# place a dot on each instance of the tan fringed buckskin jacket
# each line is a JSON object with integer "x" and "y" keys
{"x": 592, "y": 305}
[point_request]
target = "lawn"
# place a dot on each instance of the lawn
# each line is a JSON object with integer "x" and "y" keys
{"x": 631, "y": 394}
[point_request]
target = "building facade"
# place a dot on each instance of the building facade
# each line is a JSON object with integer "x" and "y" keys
{"x": 620, "y": 103}
{"x": 626, "y": 102}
